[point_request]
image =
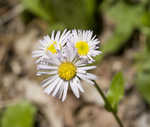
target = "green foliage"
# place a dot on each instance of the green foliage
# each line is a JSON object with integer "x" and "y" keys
{"x": 68, "y": 13}
{"x": 36, "y": 7}
{"x": 143, "y": 71}
{"x": 99, "y": 58}
{"x": 19, "y": 115}
{"x": 126, "y": 17}
{"x": 143, "y": 80}
{"x": 142, "y": 59}
{"x": 146, "y": 19}
{"x": 116, "y": 91}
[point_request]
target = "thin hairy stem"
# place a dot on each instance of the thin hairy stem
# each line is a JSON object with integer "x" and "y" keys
{"x": 108, "y": 104}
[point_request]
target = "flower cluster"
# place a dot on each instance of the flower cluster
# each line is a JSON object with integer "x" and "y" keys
{"x": 65, "y": 57}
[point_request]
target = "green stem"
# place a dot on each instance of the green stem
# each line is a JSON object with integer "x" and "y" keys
{"x": 108, "y": 104}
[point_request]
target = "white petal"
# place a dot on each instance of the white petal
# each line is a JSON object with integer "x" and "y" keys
{"x": 51, "y": 87}
{"x": 57, "y": 87}
{"x": 64, "y": 36}
{"x": 78, "y": 84}
{"x": 39, "y": 60}
{"x": 70, "y": 51}
{"x": 96, "y": 52}
{"x": 47, "y": 39}
{"x": 61, "y": 89}
{"x": 64, "y": 32}
{"x": 57, "y": 36}
{"x": 37, "y": 54}
{"x": 83, "y": 77}
{"x": 52, "y": 35}
{"x": 80, "y": 71}
{"x": 74, "y": 89}
{"x": 80, "y": 63}
{"x": 46, "y": 73}
{"x": 46, "y": 67}
{"x": 49, "y": 80}
{"x": 65, "y": 90}
{"x": 54, "y": 58}
{"x": 91, "y": 60}
{"x": 87, "y": 68}
{"x": 42, "y": 43}
{"x": 91, "y": 76}
{"x": 80, "y": 88}
{"x": 50, "y": 61}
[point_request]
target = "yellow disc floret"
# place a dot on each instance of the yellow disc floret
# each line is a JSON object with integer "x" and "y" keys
{"x": 67, "y": 70}
{"x": 52, "y": 48}
{"x": 82, "y": 48}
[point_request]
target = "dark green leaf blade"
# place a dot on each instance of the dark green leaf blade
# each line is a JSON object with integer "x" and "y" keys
{"x": 116, "y": 91}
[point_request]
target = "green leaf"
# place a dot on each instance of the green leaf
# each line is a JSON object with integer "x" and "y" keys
{"x": 19, "y": 115}
{"x": 116, "y": 91}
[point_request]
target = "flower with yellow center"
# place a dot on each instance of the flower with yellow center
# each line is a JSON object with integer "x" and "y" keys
{"x": 82, "y": 48}
{"x": 62, "y": 57}
{"x": 67, "y": 70}
{"x": 85, "y": 44}
{"x": 50, "y": 43}
{"x": 52, "y": 48}
{"x": 64, "y": 70}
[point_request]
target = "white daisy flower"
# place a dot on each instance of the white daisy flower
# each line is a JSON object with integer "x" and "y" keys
{"x": 52, "y": 44}
{"x": 85, "y": 44}
{"x": 65, "y": 70}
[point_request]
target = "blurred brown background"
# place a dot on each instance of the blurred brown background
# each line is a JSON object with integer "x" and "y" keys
{"x": 123, "y": 29}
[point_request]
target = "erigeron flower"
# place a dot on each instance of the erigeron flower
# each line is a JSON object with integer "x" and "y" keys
{"x": 52, "y": 44}
{"x": 85, "y": 44}
{"x": 64, "y": 70}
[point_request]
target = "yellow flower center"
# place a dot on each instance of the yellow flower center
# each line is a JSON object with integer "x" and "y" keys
{"x": 52, "y": 48}
{"x": 82, "y": 48}
{"x": 67, "y": 70}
